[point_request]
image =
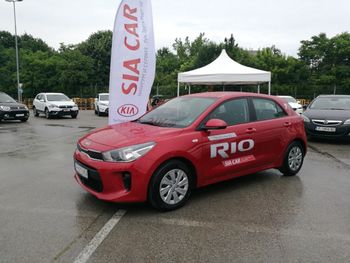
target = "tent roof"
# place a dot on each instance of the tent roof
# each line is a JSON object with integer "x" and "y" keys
{"x": 224, "y": 70}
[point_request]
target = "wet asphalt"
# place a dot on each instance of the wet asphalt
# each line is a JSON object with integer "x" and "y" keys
{"x": 46, "y": 217}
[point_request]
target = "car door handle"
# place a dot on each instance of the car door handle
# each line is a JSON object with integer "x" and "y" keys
{"x": 287, "y": 124}
{"x": 250, "y": 130}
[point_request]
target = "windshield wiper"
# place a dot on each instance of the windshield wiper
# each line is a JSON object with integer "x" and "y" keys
{"x": 148, "y": 123}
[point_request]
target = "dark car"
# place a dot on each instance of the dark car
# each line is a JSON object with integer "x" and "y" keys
{"x": 12, "y": 110}
{"x": 328, "y": 116}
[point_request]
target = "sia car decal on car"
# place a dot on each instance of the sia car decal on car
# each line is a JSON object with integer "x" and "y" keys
{"x": 222, "y": 148}
{"x": 240, "y": 160}
{"x": 222, "y": 136}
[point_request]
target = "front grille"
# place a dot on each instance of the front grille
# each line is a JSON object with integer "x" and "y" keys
{"x": 65, "y": 107}
{"x": 92, "y": 154}
{"x": 93, "y": 181}
{"x": 17, "y": 108}
{"x": 327, "y": 122}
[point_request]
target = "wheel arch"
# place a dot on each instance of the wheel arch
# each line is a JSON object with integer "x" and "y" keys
{"x": 184, "y": 160}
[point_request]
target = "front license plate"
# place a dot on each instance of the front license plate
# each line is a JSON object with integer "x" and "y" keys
{"x": 66, "y": 110}
{"x": 325, "y": 129}
{"x": 81, "y": 170}
{"x": 19, "y": 115}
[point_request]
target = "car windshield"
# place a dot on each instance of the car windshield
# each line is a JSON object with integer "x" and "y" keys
{"x": 104, "y": 97}
{"x": 289, "y": 99}
{"x": 331, "y": 103}
{"x": 178, "y": 113}
{"x": 4, "y": 98}
{"x": 57, "y": 97}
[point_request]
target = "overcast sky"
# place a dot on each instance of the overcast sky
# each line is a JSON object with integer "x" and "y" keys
{"x": 254, "y": 23}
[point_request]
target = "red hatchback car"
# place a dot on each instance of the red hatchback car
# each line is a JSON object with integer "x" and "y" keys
{"x": 190, "y": 142}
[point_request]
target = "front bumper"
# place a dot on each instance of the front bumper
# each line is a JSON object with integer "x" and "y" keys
{"x": 103, "y": 109}
{"x": 115, "y": 182}
{"x": 341, "y": 131}
{"x": 14, "y": 115}
{"x": 60, "y": 112}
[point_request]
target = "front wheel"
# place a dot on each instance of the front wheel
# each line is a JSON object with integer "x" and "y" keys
{"x": 47, "y": 114}
{"x": 35, "y": 112}
{"x": 74, "y": 115}
{"x": 293, "y": 159}
{"x": 170, "y": 186}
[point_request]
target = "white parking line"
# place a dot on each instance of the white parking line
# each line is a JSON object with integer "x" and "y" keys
{"x": 99, "y": 237}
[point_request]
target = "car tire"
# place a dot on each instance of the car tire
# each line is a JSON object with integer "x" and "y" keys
{"x": 293, "y": 160}
{"x": 98, "y": 112}
{"x": 47, "y": 114}
{"x": 35, "y": 112}
{"x": 95, "y": 111}
{"x": 74, "y": 115}
{"x": 24, "y": 120}
{"x": 170, "y": 186}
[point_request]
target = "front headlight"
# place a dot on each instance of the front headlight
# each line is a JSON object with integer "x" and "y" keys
{"x": 306, "y": 119}
{"x": 128, "y": 154}
{"x": 52, "y": 106}
{"x": 26, "y": 107}
{"x": 347, "y": 121}
{"x": 5, "y": 108}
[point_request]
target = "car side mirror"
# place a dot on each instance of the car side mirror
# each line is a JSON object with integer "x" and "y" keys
{"x": 305, "y": 107}
{"x": 215, "y": 124}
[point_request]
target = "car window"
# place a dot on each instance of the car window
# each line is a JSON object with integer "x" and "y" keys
{"x": 232, "y": 112}
{"x": 178, "y": 113}
{"x": 331, "y": 103}
{"x": 57, "y": 97}
{"x": 104, "y": 97}
{"x": 266, "y": 109}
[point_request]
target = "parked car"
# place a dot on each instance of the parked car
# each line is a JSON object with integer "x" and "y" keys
{"x": 296, "y": 106}
{"x": 328, "y": 116}
{"x": 189, "y": 142}
{"x": 54, "y": 104}
{"x": 12, "y": 110}
{"x": 101, "y": 104}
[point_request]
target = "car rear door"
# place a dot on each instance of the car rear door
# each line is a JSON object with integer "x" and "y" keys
{"x": 271, "y": 130}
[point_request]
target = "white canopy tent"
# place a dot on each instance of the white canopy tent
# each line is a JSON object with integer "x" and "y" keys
{"x": 224, "y": 71}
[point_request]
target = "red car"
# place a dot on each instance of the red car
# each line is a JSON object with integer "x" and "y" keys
{"x": 190, "y": 142}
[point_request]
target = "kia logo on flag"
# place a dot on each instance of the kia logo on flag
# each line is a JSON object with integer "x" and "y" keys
{"x": 128, "y": 110}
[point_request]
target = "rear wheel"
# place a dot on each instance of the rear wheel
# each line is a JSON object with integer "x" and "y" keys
{"x": 170, "y": 186}
{"x": 293, "y": 159}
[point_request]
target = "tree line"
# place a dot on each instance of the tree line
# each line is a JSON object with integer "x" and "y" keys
{"x": 82, "y": 70}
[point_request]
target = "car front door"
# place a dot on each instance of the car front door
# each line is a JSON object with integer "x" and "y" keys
{"x": 229, "y": 152}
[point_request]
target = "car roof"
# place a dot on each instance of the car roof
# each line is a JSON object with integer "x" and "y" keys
{"x": 333, "y": 96}
{"x": 228, "y": 95}
{"x": 284, "y": 96}
{"x": 52, "y": 93}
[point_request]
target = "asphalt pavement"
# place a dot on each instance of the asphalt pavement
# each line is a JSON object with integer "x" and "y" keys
{"x": 45, "y": 216}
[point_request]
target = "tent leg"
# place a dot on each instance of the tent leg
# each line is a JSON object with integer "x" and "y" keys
{"x": 178, "y": 89}
{"x": 269, "y": 88}
{"x": 258, "y": 88}
{"x": 189, "y": 89}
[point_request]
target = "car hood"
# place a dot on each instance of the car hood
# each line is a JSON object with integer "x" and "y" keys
{"x": 62, "y": 103}
{"x": 295, "y": 105}
{"x": 13, "y": 104}
{"x": 328, "y": 114}
{"x": 130, "y": 133}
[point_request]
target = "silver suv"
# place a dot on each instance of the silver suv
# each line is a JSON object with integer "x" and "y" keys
{"x": 54, "y": 104}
